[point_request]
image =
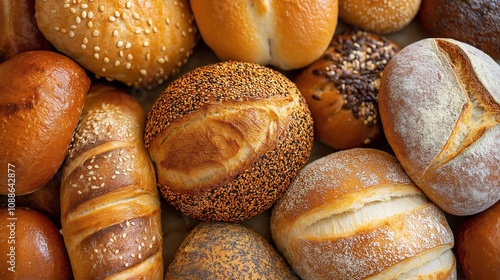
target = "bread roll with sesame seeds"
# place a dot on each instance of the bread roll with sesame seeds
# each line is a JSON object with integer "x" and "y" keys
{"x": 439, "y": 104}
{"x": 110, "y": 207}
{"x": 139, "y": 43}
{"x": 282, "y": 33}
{"x": 380, "y": 17}
{"x": 341, "y": 89}
{"x": 355, "y": 214}
{"x": 217, "y": 250}
{"x": 227, "y": 139}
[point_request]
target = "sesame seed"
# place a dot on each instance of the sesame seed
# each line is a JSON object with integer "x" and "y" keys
{"x": 161, "y": 60}
{"x": 65, "y": 5}
{"x": 121, "y": 54}
{"x": 101, "y": 8}
{"x": 106, "y": 60}
{"x": 84, "y": 6}
{"x": 96, "y": 251}
{"x": 96, "y": 48}
{"x": 119, "y": 44}
{"x": 90, "y": 14}
{"x": 135, "y": 16}
{"x": 117, "y": 251}
{"x": 129, "y": 57}
{"x": 146, "y": 44}
{"x": 117, "y": 14}
{"x": 111, "y": 18}
{"x": 95, "y": 33}
{"x": 143, "y": 72}
{"x": 57, "y": 28}
{"x": 128, "y": 45}
{"x": 79, "y": 192}
{"x": 128, "y": 66}
{"x": 72, "y": 10}
{"x": 150, "y": 21}
{"x": 167, "y": 20}
{"x": 128, "y": 5}
{"x": 85, "y": 40}
{"x": 78, "y": 20}
{"x": 115, "y": 33}
{"x": 84, "y": 14}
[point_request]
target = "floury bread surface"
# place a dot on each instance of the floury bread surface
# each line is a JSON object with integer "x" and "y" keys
{"x": 354, "y": 214}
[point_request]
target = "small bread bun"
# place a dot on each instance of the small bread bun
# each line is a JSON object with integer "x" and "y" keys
{"x": 138, "y": 43}
{"x": 41, "y": 98}
{"x": 227, "y": 139}
{"x": 18, "y": 29}
{"x": 354, "y": 214}
{"x": 439, "y": 103}
{"x": 32, "y": 247}
{"x": 227, "y": 251}
{"x": 380, "y": 17}
{"x": 478, "y": 245}
{"x": 474, "y": 22}
{"x": 285, "y": 34}
{"x": 341, "y": 89}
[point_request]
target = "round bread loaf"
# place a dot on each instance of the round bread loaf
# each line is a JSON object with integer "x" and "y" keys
{"x": 227, "y": 251}
{"x": 285, "y": 34}
{"x": 478, "y": 245}
{"x": 476, "y": 22}
{"x": 138, "y": 43}
{"x": 32, "y": 247}
{"x": 380, "y": 17}
{"x": 354, "y": 214}
{"x": 227, "y": 139}
{"x": 41, "y": 98}
{"x": 439, "y": 103}
{"x": 18, "y": 29}
{"x": 341, "y": 89}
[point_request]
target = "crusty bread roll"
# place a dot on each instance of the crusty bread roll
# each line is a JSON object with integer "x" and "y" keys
{"x": 227, "y": 139}
{"x": 381, "y": 17}
{"x": 110, "y": 207}
{"x": 32, "y": 247}
{"x": 341, "y": 89}
{"x": 478, "y": 245}
{"x": 220, "y": 250}
{"x": 285, "y": 34}
{"x": 354, "y": 214}
{"x": 18, "y": 29}
{"x": 439, "y": 103}
{"x": 41, "y": 98}
{"x": 139, "y": 43}
{"x": 474, "y": 22}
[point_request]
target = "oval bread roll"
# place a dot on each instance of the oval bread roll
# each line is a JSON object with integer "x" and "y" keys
{"x": 355, "y": 214}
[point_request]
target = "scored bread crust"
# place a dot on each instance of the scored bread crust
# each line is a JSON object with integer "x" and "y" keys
{"x": 227, "y": 139}
{"x": 285, "y": 34}
{"x": 355, "y": 214}
{"x": 439, "y": 102}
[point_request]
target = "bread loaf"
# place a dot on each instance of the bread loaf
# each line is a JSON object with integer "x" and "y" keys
{"x": 281, "y": 33}
{"x": 439, "y": 103}
{"x": 110, "y": 208}
{"x": 355, "y": 214}
{"x": 41, "y": 98}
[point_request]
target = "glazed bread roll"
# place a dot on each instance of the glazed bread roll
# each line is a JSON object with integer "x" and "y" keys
{"x": 478, "y": 246}
{"x": 354, "y": 214}
{"x": 285, "y": 34}
{"x": 41, "y": 98}
{"x": 110, "y": 208}
{"x": 139, "y": 43}
{"x": 18, "y": 29}
{"x": 381, "y": 17}
{"x": 439, "y": 103}
{"x": 474, "y": 22}
{"x": 227, "y": 251}
{"x": 341, "y": 89}
{"x": 32, "y": 247}
{"x": 227, "y": 139}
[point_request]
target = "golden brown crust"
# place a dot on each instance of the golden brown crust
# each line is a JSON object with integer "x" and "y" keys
{"x": 474, "y": 22}
{"x": 18, "y": 29}
{"x": 110, "y": 207}
{"x": 341, "y": 89}
{"x": 443, "y": 122}
{"x": 380, "y": 17}
{"x": 478, "y": 248}
{"x": 215, "y": 132}
{"x": 266, "y": 32}
{"x": 227, "y": 251}
{"x": 35, "y": 244}
{"x": 138, "y": 43}
{"x": 41, "y": 98}
{"x": 355, "y": 214}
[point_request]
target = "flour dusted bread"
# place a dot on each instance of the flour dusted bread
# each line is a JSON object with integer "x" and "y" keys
{"x": 285, "y": 34}
{"x": 110, "y": 207}
{"x": 227, "y": 139}
{"x": 354, "y": 214}
{"x": 439, "y": 102}
{"x": 139, "y": 43}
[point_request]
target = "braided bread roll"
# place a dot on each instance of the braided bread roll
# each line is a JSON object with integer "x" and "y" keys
{"x": 110, "y": 208}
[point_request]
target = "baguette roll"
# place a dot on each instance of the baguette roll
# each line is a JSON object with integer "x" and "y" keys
{"x": 110, "y": 208}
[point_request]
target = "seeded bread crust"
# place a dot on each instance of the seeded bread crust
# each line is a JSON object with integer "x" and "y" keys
{"x": 227, "y": 139}
{"x": 341, "y": 89}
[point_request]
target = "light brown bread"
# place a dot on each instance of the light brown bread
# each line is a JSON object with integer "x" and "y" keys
{"x": 110, "y": 208}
